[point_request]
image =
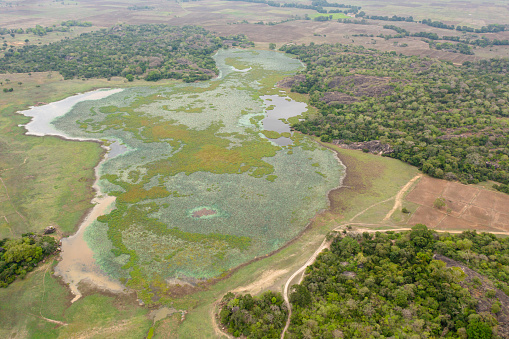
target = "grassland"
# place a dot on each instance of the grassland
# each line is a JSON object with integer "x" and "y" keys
{"x": 39, "y": 307}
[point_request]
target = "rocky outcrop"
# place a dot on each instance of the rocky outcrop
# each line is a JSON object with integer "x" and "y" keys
{"x": 373, "y": 146}
{"x": 49, "y": 230}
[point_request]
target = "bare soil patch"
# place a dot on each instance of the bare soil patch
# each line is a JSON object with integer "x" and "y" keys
{"x": 467, "y": 207}
{"x": 266, "y": 280}
{"x": 203, "y": 213}
{"x": 426, "y": 215}
{"x": 460, "y": 193}
{"x": 363, "y": 85}
{"x": 426, "y": 191}
{"x": 338, "y": 98}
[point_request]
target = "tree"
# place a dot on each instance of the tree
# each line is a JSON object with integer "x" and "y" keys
{"x": 479, "y": 330}
{"x": 439, "y": 203}
{"x": 300, "y": 296}
{"x": 421, "y": 236}
{"x": 272, "y": 46}
{"x": 129, "y": 77}
{"x": 153, "y": 76}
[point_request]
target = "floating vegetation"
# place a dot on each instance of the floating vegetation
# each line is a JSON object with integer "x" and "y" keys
{"x": 201, "y": 189}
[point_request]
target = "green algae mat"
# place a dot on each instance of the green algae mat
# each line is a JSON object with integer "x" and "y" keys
{"x": 199, "y": 187}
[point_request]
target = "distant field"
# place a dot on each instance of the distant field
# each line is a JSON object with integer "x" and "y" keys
{"x": 227, "y": 17}
{"x": 474, "y": 13}
{"x": 335, "y": 16}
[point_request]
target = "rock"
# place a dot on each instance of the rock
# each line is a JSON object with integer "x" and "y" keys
{"x": 49, "y": 230}
{"x": 373, "y": 146}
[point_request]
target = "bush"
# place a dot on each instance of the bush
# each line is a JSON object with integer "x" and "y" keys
{"x": 439, "y": 203}
{"x": 479, "y": 330}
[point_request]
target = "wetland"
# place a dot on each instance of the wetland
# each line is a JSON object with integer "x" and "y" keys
{"x": 195, "y": 183}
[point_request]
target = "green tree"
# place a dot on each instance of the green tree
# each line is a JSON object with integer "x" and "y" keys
{"x": 479, "y": 330}
{"x": 300, "y": 296}
{"x": 439, "y": 203}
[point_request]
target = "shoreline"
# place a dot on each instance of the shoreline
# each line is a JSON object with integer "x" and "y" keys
{"x": 309, "y": 226}
{"x": 80, "y": 265}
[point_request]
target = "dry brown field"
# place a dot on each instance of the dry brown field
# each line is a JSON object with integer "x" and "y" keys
{"x": 467, "y": 207}
{"x": 227, "y": 17}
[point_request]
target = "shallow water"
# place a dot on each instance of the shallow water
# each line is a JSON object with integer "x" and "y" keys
{"x": 270, "y": 211}
{"x": 77, "y": 262}
{"x": 281, "y": 107}
{"x": 77, "y": 259}
{"x": 43, "y": 116}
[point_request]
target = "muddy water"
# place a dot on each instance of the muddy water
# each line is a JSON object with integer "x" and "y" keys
{"x": 77, "y": 262}
{"x": 282, "y": 108}
{"x": 42, "y": 116}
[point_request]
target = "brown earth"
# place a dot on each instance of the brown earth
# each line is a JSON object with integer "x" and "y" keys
{"x": 467, "y": 207}
{"x": 203, "y": 213}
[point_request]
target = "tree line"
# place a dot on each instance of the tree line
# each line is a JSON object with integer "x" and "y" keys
{"x": 482, "y": 42}
{"x": 316, "y": 5}
{"x": 40, "y": 30}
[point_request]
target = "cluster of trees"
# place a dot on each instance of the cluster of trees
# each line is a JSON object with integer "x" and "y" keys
{"x": 399, "y": 30}
{"x": 20, "y": 256}
{"x": 261, "y": 317}
{"x": 76, "y": 23}
{"x": 156, "y": 51}
{"x": 317, "y": 5}
{"x": 437, "y": 24}
{"x": 450, "y": 47}
{"x": 140, "y": 8}
{"x": 482, "y": 42}
{"x": 449, "y": 121}
{"x": 325, "y": 3}
{"x": 37, "y": 30}
{"x": 389, "y": 18}
{"x": 355, "y": 22}
{"x": 482, "y": 252}
{"x": 40, "y": 30}
{"x": 388, "y": 285}
{"x": 492, "y": 28}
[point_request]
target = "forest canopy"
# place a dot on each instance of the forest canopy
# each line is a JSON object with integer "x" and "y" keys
{"x": 451, "y": 121}
{"x": 153, "y": 51}
{"x": 400, "y": 285}
{"x": 20, "y": 256}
